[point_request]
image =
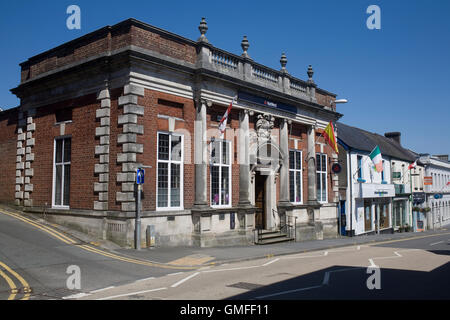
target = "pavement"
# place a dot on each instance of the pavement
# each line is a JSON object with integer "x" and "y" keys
{"x": 195, "y": 256}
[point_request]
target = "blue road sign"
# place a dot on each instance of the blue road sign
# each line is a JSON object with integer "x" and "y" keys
{"x": 140, "y": 175}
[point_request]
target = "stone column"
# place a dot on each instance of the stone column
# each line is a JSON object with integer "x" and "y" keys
{"x": 200, "y": 154}
{"x": 20, "y": 164}
{"x": 244, "y": 161}
{"x": 130, "y": 147}
{"x": 102, "y": 150}
{"x": 312, "y": 191}
{"x": 29, "y": 158}
{"x": 284, "y": 170}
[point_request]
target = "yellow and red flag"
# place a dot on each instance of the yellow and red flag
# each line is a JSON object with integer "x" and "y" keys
{"x": 330, "y": 137}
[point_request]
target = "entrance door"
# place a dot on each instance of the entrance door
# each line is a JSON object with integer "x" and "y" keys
{"x": 260, "y": 201}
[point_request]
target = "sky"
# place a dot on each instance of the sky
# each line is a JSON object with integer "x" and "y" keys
{"x": 396, "y": 78}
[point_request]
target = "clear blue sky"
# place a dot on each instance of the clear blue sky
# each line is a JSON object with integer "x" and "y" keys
{"x": 396, "y": 78}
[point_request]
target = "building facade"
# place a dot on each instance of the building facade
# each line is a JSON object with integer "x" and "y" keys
{"x": 437, "y": 189}
{"x": 95, "y": 109}
{"x": 372, "y": 201}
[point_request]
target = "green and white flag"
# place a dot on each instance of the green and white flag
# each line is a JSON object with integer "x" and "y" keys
{"x": 376, "y": 158}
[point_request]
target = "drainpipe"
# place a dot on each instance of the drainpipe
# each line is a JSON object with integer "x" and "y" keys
{"x": 349, "y": 161}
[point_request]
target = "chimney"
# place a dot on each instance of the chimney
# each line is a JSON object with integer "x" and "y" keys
{"x": 395, "y": 136}
{"x": 443, "y": 157}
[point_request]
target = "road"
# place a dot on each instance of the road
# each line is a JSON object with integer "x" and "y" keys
{"x": 34, "y": 262}
{"x": 409, "y": 269}
{"x": 35, "y": 259}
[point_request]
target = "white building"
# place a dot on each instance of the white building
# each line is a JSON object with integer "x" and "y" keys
{"x": 437, "y": 189}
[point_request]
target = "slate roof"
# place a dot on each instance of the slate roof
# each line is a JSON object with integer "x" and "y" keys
{"x": 359, "y": 139}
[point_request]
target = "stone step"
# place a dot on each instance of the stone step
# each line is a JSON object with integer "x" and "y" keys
{"x": 274, "y": 240}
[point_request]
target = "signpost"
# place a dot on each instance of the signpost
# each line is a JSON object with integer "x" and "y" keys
{"x": 140, "y": 178}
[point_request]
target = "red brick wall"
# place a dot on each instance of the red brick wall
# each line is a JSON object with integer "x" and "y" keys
{"x": 8, "y": 151}
{"x": 82, "y": 131}
{"x": 151, "y": 126}
{"x": 119, "y": 36}
{"x": 163, "y": 45}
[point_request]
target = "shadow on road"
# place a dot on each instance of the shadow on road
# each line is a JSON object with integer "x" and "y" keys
{"x": 350, "y": 283}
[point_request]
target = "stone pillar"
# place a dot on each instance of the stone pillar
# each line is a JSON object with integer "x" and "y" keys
{"x": 20, "y": 154}
{"x": 102, "y": 150}
{"x": 200, "y": 154}
{"x": 312, "y": 191}
{"x": 284, "y": 169}
{"x": 130, "y": 148}
{"x": 244, "y": 160}
{"x": 29, "y": 158}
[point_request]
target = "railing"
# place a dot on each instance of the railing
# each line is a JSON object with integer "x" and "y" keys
{"x": 297, "y": 86}
{"x": 264, "y": 74}
{"x": 288, "y": 225}
{"x": 223, "y": 60}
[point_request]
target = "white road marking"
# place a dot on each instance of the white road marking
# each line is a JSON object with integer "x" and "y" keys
{"x": 231, "y": 269}
{"x": 270, "y": 262}
{"x": 326, "y": 278}
{"x": 372, "y": 264}
{"x": 433, "y": 244}
{"x": 77, "y": 296}
{"x": 184, "y": 280}
{"x": 286, "y": 292}
{"x": 100, "y": 290}
{"x": 132, "y": 293}
{"x": 174, "y": 274}
{"x": 145, "y": 279}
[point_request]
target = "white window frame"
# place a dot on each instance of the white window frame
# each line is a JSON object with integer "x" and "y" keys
{"x": 221, "y": 165}
{"x": 169, "y": 162}
{"x": 62, "y": 176}
{"x": 326, "y": 178}
{"x": 295, "y": 177}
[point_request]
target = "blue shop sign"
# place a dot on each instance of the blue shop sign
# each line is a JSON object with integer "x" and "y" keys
{"x": 263, "y": 101}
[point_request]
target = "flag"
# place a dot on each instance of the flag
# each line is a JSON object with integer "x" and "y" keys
{"x": 330, "y": 137}
{"x": 375, "y": 156}
{"x": 223, "y": 122}
{"x": 412, "y": 165}
{"x": 448, "y": 183}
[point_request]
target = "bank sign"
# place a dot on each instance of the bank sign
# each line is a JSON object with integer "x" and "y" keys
{"x": 265, "y": 102}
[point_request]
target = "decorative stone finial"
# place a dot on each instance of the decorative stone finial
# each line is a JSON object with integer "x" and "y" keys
{"x": 203, "y": 27}
{"x": 245, "y": 45}
{"x": 310, "y": 73}
{"x": 283, "y": 62}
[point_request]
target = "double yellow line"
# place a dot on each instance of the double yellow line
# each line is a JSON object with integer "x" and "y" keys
{"x": 14, "y": 290}
{"x": 89, "y": 248}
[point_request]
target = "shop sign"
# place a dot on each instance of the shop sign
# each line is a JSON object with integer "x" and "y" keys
{"x": 268, "y": 103}
{"x": 427, "y": 181}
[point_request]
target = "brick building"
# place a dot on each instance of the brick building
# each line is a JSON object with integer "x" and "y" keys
{"x": 93, "y": 109}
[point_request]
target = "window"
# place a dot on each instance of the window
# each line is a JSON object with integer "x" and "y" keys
{"x": 295, "y": 176}
{"x": 321, "y": 175}
{"x": 61, "y": 172}
{"x": 220, "y": 172}
{"x": 170, "y": 171}
{"x": 359, "y": 164}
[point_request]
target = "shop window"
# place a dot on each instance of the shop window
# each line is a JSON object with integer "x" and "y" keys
{"x": 61, "y": 172}
{"x": 295, "y": 176}
{"x": 321, "y": 177}
{"x": 220, "y": 173}
{"x": 170, "y": 171}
